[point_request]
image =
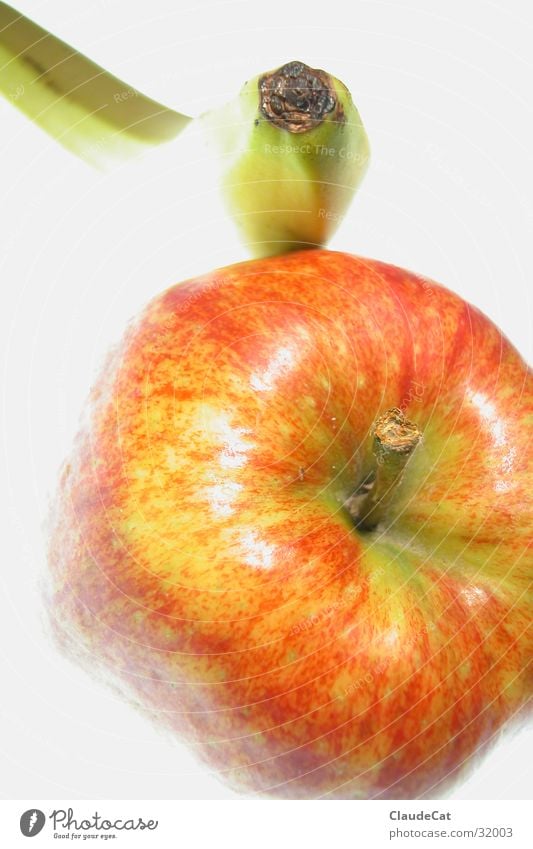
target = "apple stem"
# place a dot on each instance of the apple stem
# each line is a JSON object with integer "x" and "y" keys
{"x": 394, "y": 440}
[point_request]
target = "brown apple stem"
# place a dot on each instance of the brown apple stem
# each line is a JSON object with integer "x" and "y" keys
{"x": 394, "y": 440}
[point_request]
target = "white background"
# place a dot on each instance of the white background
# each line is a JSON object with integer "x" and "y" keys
{"x": 444, "y": 89}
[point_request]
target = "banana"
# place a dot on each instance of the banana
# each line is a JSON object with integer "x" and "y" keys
{"x": 293, "y": 151}
{"x": 89, "y": 111}
{"x": 290, "y": 150}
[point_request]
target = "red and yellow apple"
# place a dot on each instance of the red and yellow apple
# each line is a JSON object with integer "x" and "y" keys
{"x": 206, "y": 554}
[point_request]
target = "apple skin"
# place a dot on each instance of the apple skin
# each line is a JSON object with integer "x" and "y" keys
{"x": 202, "y": 562}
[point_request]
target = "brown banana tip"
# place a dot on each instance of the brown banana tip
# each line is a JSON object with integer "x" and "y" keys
{"x": 297, "y": 98}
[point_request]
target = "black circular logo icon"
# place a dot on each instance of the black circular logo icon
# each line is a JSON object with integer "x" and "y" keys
{"x": 32, "y": 822}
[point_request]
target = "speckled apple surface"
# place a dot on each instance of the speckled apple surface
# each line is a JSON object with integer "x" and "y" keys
{"x": 203, "y": 564}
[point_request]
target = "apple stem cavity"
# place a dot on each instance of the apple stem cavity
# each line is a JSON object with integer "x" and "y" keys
{"x": 394, "y": 440}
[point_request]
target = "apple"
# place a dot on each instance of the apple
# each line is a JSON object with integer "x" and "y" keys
{"x": 212, "y": 555}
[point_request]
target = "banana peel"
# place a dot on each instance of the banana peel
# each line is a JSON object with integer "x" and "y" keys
{"x": 293, "y": 151}
{"x": 90, "y": 112}
{"x": 290, "y": 149}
